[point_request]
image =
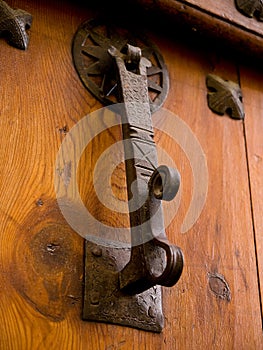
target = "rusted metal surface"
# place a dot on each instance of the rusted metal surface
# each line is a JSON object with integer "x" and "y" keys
{"x": 105, "y": 302}
{"x": 224, "y": 96}
{"x": 14, "y": 24}
{"x": 151, "y": 254}
{"x": 123, "y": 291}
{"x": 96, "y": 67}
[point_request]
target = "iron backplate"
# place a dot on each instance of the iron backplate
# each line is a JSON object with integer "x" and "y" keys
{"x": 96, "y": 67}
{"x": 103, "y": 300}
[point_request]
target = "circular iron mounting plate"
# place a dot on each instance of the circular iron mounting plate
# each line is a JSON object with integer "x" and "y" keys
{"x": 95, "y": 66}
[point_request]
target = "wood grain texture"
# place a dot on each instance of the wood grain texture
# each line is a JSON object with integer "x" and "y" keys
{"x": 216, "y": 20}
{"x": 216, "y": 243}
{"x": 227, "y": 11}
{"x": 216, "y": 302}
{"x": 251, "y": 81}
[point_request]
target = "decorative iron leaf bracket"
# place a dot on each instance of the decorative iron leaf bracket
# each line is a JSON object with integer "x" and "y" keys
{"x": 14, "y": 24}
{"x": 224, "y": 96}
{"x": 122, "y": 285}
{"x": 251, "y": 8}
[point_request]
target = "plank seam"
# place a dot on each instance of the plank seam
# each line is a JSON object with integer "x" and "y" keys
{"x": 251, "y": 207}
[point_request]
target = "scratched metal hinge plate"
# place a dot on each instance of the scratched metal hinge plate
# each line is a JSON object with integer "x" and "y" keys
{"x": 106, "y": 303}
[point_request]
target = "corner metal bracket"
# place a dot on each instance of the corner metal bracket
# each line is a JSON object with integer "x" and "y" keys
{"x": 224, "y": 96}
{"x": 14, "y": 24}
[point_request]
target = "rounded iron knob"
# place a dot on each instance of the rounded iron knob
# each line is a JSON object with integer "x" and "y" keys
{"x": 165, "y": 183}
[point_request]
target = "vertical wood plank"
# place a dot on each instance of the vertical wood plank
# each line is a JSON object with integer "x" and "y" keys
{"x": 221, "y": 243}
{"x": 252, "y": 89}
{"x": 41, "y": 257}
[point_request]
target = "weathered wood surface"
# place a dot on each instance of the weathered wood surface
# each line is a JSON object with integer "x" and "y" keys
{"x": 219, "y": 20}
{"x": 216, "y": 303}
{"x": 252, "y": 87}
{"x": 227, "y": 11}
{"x": 217, "y": 242}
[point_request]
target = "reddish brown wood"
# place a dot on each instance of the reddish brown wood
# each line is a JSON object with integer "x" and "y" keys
{"x": 251, "y": 81}
{"x": 216, "y": 243}
{"x": 41, "y": 257}
{"x": 226, "y": 11}
{"x": 218, "y": 20}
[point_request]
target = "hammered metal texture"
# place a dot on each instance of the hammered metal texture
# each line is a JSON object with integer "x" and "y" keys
{"x": 224, "y": 96}
{"x": 13, "y": 25}
{"x": 103, "y": 300}
{"x": 96, "y": 68}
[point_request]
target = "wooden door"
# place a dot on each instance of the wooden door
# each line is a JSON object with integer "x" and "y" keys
{"x": 217, "y": 303}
